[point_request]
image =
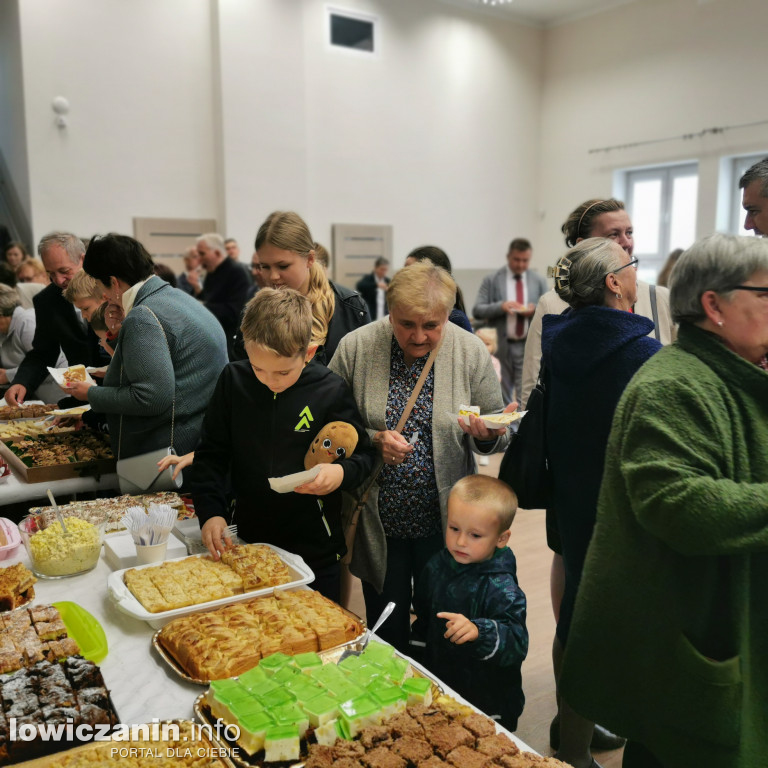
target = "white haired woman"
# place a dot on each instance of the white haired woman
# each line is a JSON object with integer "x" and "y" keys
{"x": 668, "y": 644}
{"x": 17, "y": 330}
{"x": 402, "y": 524}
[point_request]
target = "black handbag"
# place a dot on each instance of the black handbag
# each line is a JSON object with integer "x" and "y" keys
{"x": 525, "y": 467}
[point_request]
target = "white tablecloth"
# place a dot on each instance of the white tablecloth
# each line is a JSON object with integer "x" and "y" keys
{"x": 142, "y": 686}
{"x": 14, "y": 489}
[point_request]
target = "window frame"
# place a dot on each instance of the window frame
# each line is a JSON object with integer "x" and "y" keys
{"x": 666, "y": 174}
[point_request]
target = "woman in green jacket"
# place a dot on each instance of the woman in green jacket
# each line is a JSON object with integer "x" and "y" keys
{"x": 669, "y": 641}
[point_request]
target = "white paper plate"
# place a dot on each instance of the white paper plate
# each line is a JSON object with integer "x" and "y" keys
{"x": 128, "y": 604}
{"x": 494, "y": 420}
{"x": 100, "y": 369}
{"x": 287, "y": 483}
{"x": 78, "y": 410}
{"x": 57, "y": 374}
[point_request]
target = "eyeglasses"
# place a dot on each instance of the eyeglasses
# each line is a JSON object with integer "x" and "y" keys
{"x": 632, "y": 263}
{"x": 756, "y": 288}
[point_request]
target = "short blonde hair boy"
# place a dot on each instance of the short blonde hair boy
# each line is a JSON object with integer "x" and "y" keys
{"x": 83, "y": 286}
{"x": 491, "y": 495}
{"x": 279, "y": 321}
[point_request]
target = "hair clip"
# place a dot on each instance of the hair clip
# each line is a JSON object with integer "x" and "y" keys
{"x": 562, "y": 273}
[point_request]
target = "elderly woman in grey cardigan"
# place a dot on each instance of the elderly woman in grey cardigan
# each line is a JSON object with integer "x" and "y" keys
{"x": 169, "y": 354}
{"x": 402, "y": 524}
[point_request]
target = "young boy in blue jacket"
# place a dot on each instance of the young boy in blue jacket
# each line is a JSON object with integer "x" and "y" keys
{"x": 470, "y": 610}
{"x": 263, "y": 415}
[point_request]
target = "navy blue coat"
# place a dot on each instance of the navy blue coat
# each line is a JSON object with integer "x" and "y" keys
{"x": 589, "y": 355}
{"x": 485, "y": 672}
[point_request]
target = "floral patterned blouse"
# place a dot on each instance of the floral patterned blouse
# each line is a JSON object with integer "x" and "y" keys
{"x": 409, "y": 505}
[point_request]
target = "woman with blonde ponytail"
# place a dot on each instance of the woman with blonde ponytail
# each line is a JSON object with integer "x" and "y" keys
{"x": 287, "y": 257}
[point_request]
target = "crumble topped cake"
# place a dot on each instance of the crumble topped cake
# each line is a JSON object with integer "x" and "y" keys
{"x": 16, "y": 586}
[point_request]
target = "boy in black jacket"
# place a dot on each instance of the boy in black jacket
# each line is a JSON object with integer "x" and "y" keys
{"x": 469, "y": 607}
{"x": 264, "y": 414}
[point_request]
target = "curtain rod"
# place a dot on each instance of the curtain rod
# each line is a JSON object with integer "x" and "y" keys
{"x": 684, "y": 137}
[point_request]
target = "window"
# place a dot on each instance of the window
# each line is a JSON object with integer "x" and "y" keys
{"x": 351, "y": 30}
{"x": 662, "y": 203}
{"x": 738, "y": 167}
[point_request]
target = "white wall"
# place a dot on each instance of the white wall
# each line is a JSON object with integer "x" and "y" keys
{"x": 140, "y": 140}
{"x": 233, "y": 108}
{"x": 644, "y": 71}
{"x": 436, "y": 134}
{"x": 13, "y": 142}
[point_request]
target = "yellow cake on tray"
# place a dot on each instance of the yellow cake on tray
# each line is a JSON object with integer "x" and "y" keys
{"x": 194, "y": 580}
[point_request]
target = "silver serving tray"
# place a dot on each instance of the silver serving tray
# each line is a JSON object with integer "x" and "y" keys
{"x": 241, "y": 759}
{"x": 172, "y": 662}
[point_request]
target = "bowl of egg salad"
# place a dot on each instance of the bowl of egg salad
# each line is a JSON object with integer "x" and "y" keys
{"x": 56, "y": 552}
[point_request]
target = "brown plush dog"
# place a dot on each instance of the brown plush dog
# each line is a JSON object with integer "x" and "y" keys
{"x": 334, "y": 441}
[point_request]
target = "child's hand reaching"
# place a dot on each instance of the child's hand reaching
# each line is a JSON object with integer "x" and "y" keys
{"x": 328, "y": 479}
{"x": 459, "y": 629}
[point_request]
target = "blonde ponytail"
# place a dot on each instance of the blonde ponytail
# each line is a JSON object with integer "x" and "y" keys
{"x": 323, "y": 301}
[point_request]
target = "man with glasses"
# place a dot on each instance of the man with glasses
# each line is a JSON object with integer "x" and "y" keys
{"x": 59, "y": 326}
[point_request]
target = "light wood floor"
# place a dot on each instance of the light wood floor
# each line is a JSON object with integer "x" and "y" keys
{"x": 528, "y": 542}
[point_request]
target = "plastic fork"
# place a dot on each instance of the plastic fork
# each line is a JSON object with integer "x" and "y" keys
{"x": 232, "y": 531}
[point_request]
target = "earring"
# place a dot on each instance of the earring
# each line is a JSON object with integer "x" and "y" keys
{"x": 618, "y": 295}
{"x": 720, "y": 323}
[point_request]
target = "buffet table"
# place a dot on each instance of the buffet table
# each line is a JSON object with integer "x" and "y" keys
{"x": 142, "y": 686}
{"x": 15, "y": 490}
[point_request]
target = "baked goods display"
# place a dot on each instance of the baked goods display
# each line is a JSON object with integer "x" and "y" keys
{"x": 10, "y": 412}
{"x": 33, "y": 635}
{"x": 51, "y": 693}
{"x": 180, "y": 743}
{"x": 233, "y": 638}
{"x": 194, "y": 580}
{"x": 115, "y": 508}
{"x": 16, "y": 587}
{"x": 365, "y": 711}
{"x": 50, "y": 450}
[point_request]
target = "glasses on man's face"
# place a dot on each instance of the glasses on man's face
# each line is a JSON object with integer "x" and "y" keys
{"x": 632, "y": 263}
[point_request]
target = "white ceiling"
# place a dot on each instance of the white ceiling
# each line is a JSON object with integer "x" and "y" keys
{"x": 545, "y": 13}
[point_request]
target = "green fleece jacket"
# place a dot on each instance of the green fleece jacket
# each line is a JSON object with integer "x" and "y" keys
{"x": 669, "y": 642}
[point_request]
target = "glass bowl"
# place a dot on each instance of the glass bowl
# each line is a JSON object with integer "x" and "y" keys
{"x": 57, "y": 555}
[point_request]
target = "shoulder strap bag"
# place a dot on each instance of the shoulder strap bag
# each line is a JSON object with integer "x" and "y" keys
{"x": 351, "y": 528}
{"x": 138, "y": 474}
{"x": 525, "y": 467}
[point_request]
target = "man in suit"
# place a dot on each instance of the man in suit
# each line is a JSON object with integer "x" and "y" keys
{"x": 373, "y": 288}
{"x": 59, "y": 326}
{"x": 508, "y": 300}
{"x": 225, "y": 290}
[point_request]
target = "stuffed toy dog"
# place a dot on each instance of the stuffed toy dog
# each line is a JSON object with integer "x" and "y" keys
{"x": 334, "y": 441}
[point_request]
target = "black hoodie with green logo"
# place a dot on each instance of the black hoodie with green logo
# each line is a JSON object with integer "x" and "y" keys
{"x": 253, "y": 434}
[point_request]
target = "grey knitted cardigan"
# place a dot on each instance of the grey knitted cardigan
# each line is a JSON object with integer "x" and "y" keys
{"x": 188, "y": 365}
{"x": 464, "y": 375}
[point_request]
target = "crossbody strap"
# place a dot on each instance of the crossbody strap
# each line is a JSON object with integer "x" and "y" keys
{"x": 173, "y": 403}
{"x": 400, "y": 424}
{"x": 655, "y": 313}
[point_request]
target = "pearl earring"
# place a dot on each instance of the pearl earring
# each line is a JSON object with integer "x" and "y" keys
{"x": 720, "y": 323}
